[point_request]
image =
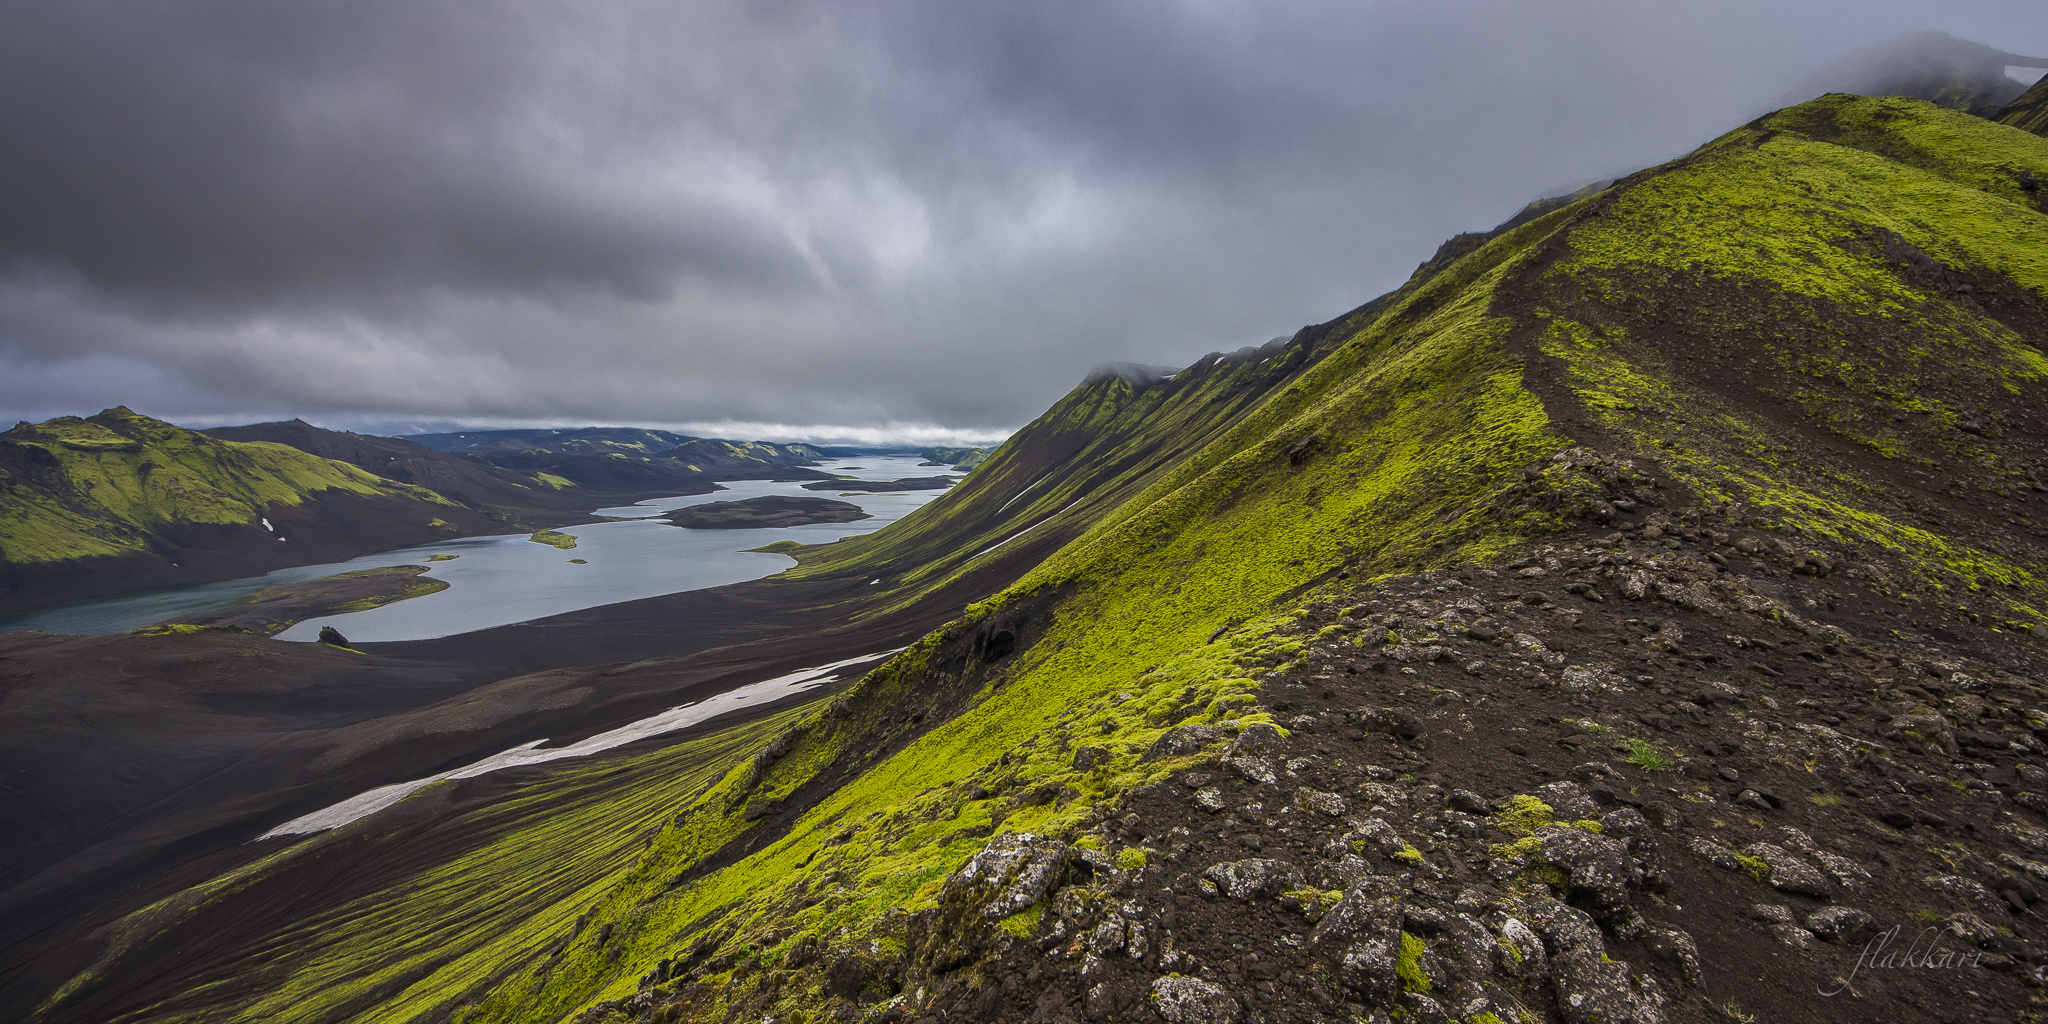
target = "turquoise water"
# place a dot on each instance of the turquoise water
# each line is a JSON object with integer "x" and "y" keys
{"x": 498, "y": 580}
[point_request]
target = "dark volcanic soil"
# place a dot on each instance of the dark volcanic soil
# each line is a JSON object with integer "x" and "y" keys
{"x": 773, "y": 510}
{"x": 1779, "y": 775}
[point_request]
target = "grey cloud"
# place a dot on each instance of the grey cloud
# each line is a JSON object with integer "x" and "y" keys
{"x": 792, "y": 212}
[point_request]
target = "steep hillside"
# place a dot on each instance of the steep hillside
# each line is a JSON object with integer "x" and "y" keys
{"x": 2029, "y": 112}
{"x": 120, "y": 501}
{"x": 1955, "y": 73}
{"x": 1623, "y": 621}
{"x": 962, "y": 459}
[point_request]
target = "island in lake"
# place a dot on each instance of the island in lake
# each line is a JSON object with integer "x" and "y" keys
{"x": 773, "y": 510}
{"x": 915, "y": 483}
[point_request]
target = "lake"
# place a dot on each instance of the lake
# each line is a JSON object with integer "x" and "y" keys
{"x": 498, "y": 580}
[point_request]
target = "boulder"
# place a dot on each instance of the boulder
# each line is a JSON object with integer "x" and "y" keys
{"x": 1329, "y": 804}
{"x": 1567, "y": 801}
{"x": 1244, "y": 879}
{"x": 1845, "y": 925}
{"x": 1522, "y": 952}
{"x": 1380, "y": 836}
{"x": 1255, "y": 770}
{"x": 1188, "y": 739}
{"x": 1677, "y": 948}
{"x": 1370, "y": 966}
{"x": 1969, "y": 893}
{"x": 1374, "y": 906}
{"x": 1183, "y": 1000}
{"x": 1925, "y": 726}
{"x": 1592, "y": 989}
{"x": 1599, "y": 866}
{"x": 1257, "y": 738}
{"x": 1014, "y": 871}
{"x": 1788, "y": 872}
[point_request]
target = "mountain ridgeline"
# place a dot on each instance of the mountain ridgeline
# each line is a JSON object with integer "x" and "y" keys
{"x": 1624, "y": 620}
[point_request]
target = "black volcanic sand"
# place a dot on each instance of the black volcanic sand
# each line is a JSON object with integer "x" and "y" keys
{"x": 914, "y": 483}
{"x": 768, "y": 511}
{"x": 139, "y": 764}
{"x": 274, "y": 609}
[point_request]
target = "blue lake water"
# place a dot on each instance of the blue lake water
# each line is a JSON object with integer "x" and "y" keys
{"x": 498, "y": 580}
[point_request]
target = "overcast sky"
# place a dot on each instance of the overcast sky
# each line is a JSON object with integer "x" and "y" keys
{"x": 915, "y": 220}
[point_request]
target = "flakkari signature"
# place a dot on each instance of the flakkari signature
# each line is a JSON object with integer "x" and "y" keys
{"x": 1881, "y": 954}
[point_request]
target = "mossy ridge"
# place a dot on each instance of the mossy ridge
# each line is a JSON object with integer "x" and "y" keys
{"x": 1105, "y": 449}
{"x": 78, "y": 488}
{"x": 1224, "y": 538}
{"x": 1096, "y": 448}
{"x": 1792, "y": 231}
{"x": 2028, "y": 112}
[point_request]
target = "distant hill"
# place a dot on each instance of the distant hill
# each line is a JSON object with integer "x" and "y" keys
{"x": 1936, "y": 67}
{"x": 748, "y": 458}
{"x": 469, "y": 479}
{"x": 962, "y": 459}
{"x": 119, "y": 502}
{"x": 563, "y": 441}
{"x": 2029, "y": 112}
{"x": 637, "y": 458}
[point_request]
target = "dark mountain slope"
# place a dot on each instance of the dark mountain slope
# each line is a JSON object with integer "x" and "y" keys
{"x": 639, "y": 459}
{"x": 2030, "y": 111}
{"x": 749, "y": 459}
{"x": 519, "y": 499}
{"x": 573, "y": 441}
{"x": 119, "y": 502}
{"x": 1593, "y": 629}
{"x": 1937, "y": 67}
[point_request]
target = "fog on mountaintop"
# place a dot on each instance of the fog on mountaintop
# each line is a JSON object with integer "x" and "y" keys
{"x": 921, "y": 220}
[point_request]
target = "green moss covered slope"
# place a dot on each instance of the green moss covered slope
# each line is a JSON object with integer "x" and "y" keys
{"x": 2030, "y": 111}
{"x": 76, "y": 488}
{"x": 1789, "y": 328}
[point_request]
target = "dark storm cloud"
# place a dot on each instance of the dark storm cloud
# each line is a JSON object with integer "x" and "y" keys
{"x": 878, "y": 216}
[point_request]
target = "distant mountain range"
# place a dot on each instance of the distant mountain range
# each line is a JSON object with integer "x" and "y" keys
{"x": 120, "y": 501}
